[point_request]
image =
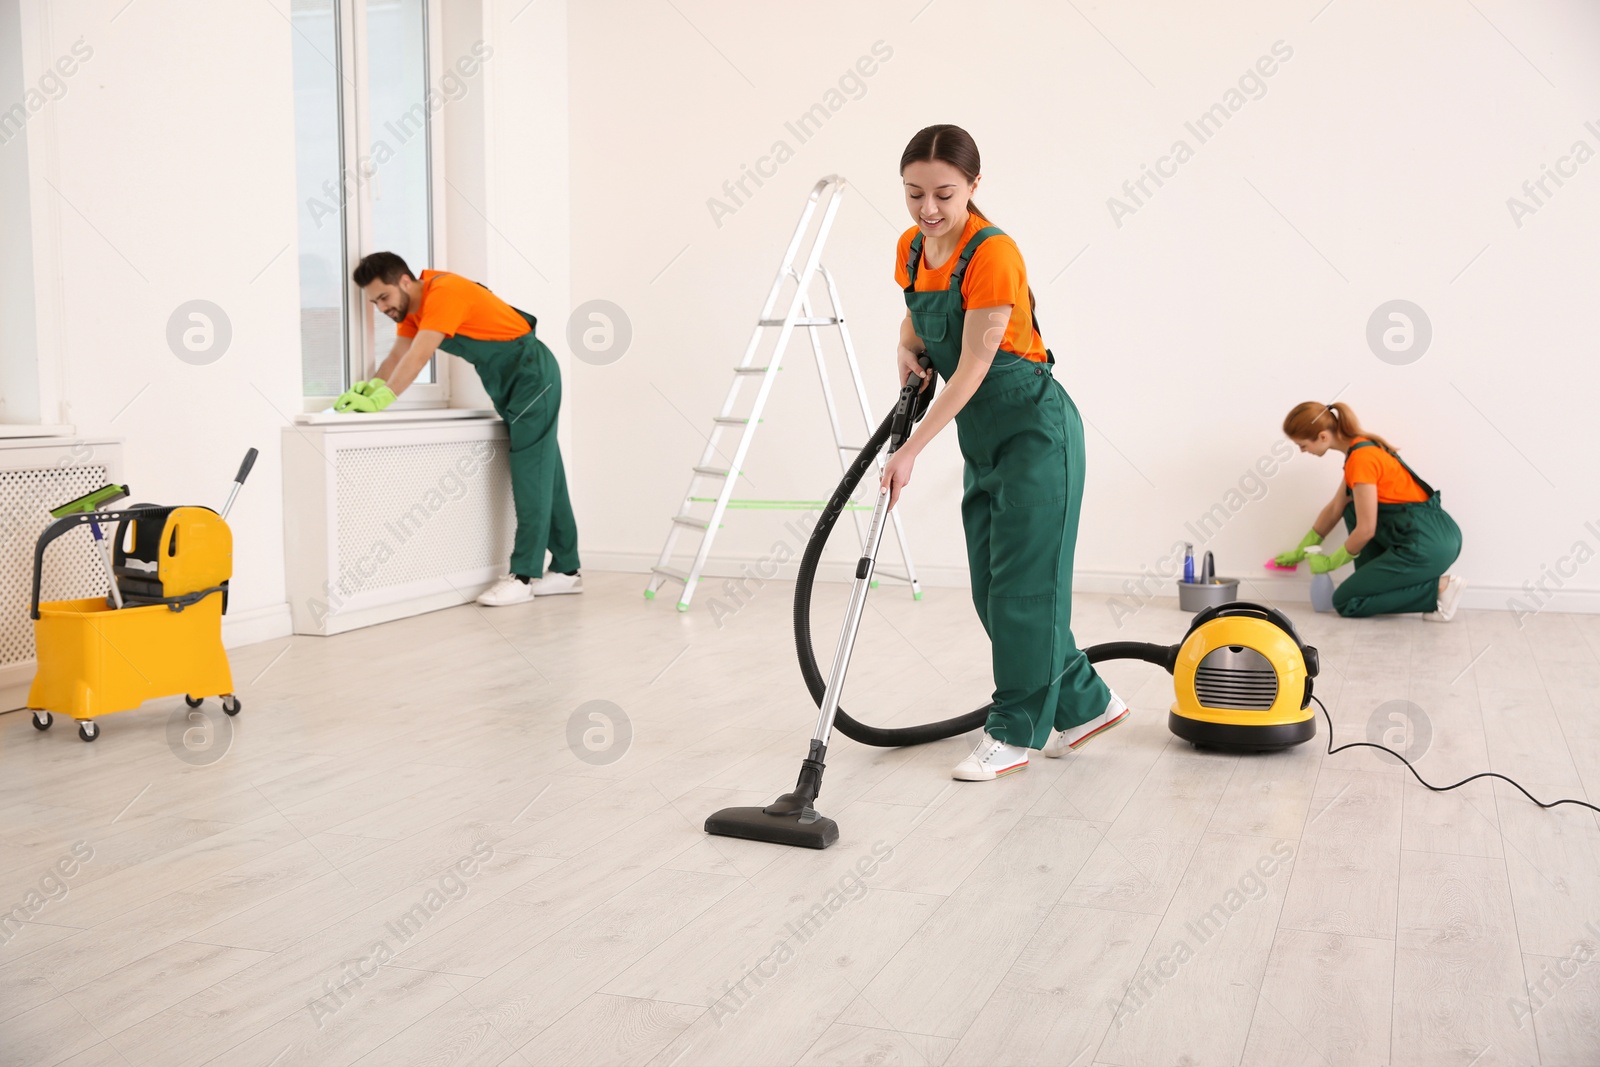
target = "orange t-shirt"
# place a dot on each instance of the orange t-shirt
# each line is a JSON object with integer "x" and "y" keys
{"x": 451, "y": 304}
{"x": 995, "y": 277}
{"x": 1374, "y": 466}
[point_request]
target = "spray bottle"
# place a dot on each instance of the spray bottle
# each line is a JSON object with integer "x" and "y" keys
{"x": 1321, "y": 585}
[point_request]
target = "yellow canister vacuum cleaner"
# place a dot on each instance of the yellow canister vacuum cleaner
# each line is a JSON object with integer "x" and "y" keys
{"x": 157, "y": 632}
{"x": 1242, "y": 674}
{"x": 1243, "y": 680}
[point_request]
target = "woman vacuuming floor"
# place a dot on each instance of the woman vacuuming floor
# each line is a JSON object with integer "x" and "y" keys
{"x": 1401, "y": 539}
{"x": 970, "y": 310}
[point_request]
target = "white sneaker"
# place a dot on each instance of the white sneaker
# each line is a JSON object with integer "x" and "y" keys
{"x": 1063, "y": 741}
{"x": 508, "y": 590}
{"x": 991, "y": 759}
{"x": 554, "y": 583}
{"x": 1449, "y": 600}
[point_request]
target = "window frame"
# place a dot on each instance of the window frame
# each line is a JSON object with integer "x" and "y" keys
{"x": 356, "y": 211}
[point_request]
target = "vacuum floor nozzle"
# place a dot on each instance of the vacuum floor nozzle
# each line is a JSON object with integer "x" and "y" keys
{"x": 804, "y": 829}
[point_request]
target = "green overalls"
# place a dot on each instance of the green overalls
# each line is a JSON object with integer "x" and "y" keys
{"x": 1022, "y": 440}
{"x": 1399, "y": 569}
{"x": 524, "y": 383}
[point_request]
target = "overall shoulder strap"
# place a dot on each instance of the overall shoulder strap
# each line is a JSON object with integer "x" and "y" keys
{"x": 961, "y": 269}
{"x": 1424, "y": 486}
{"x": 967, "y": 252}
{"x": 913, "y": 261}
{"x": 533, "y": 323}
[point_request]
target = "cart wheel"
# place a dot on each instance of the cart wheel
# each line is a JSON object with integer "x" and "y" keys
{"x": 88, "y": 730}
{"x": 193, "y": 702}
{"x": 231, "y": 705}
{"x": 42, "y": 720}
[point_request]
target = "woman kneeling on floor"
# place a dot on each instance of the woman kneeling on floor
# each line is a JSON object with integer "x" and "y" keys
{"x": 1400, "y": 537}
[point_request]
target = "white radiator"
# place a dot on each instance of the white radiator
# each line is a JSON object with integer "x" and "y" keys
{"x": 37, "y": 474}
{"x": 385, "y": 522}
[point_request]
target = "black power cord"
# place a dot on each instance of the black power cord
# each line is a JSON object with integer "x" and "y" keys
{"x": 1439, "y": 788}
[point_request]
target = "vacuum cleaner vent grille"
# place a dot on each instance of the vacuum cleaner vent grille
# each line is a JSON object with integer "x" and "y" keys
{"x": 1239, "y": 690}
{"x": 1236, "y": 678}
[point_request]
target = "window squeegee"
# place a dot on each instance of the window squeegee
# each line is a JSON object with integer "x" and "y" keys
{"x": 87, "y": 504}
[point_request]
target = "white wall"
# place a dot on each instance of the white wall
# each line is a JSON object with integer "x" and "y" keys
{"x": 165, "y": 173}
{"x": 1377, "y": 165}
{"x": 508, "y": 213}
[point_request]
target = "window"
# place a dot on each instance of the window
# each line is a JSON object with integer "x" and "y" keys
{"x": 365, "y": 142}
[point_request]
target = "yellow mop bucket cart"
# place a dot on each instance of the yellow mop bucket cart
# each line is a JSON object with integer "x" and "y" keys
{"x": 158, "y": 633}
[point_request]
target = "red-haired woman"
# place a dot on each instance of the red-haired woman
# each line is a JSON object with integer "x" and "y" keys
{"x": 970, "y": 310}
{"x": 1401, "y": 540}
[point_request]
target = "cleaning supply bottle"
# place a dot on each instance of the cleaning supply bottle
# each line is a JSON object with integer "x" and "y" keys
{"x": 1188, "y": 562}
{"x": 1321, "y": 585}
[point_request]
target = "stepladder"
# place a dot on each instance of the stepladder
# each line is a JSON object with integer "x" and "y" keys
{"x": 713, "y": 481}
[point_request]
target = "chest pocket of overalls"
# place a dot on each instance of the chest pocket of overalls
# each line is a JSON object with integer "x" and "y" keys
{"x": 930, "y": 325}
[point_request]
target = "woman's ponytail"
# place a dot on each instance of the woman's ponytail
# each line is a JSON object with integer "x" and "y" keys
{"x": 1305, "y": 421}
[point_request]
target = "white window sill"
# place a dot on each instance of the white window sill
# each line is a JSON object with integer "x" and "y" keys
{"x": 18, "y": 430}
{"x": 392, "y": 417}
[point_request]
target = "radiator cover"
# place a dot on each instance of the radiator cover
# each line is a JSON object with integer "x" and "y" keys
{"x": 382, "y": 524}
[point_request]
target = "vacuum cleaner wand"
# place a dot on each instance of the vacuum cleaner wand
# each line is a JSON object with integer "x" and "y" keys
{"x": 907, "y": 410}
{"x": 792, "y": 819}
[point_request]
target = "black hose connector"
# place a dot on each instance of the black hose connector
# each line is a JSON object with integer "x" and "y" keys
{"x": 1163, "y": 656}
{"x": 807, "y": 788}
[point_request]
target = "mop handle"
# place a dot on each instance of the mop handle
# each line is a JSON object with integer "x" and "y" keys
{"x": 102, "y": 546}
{"x": 238, "y": 479}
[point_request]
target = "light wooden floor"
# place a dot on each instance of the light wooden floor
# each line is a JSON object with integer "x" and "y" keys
{"x": 1136, "y": 903}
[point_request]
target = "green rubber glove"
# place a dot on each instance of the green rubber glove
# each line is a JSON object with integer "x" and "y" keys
{"x": 1332, "y": 561}
{"x": 349, "y": 400}
{"x": 1294, "y": 559}
{"x": 376, "y": 396}
{"x": 379, "y": 393}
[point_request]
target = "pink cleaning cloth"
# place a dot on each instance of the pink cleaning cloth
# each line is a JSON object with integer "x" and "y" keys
{"x": 1272, "y": 565}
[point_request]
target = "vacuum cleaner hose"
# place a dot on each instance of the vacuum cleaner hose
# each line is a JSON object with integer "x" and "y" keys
{"x": 1162, "y": 656}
